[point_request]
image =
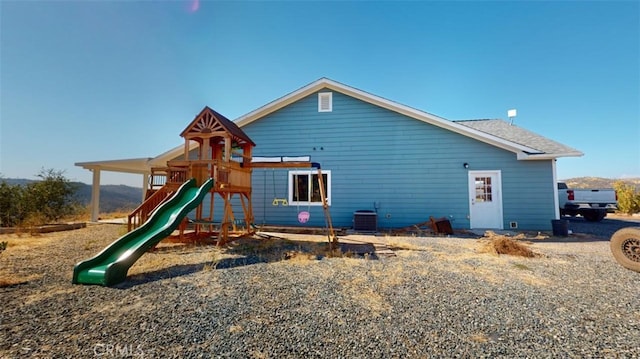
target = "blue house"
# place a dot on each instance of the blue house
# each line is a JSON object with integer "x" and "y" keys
{"x": 402, "y": 164}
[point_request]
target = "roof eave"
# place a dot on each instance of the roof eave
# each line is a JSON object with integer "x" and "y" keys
{"x": 523, "y": 156}
{"x": 161, "y": 159}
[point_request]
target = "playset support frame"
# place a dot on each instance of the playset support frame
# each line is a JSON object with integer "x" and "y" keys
{"x": 224, "y": 153}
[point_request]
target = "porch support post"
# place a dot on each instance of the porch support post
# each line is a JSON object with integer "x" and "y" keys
{"x": 145, "y": 184}
{"x": 95, "y": 195}
{"x": 556, "y": 205}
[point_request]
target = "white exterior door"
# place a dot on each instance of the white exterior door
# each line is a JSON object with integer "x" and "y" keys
{"x": 485, "y": 199}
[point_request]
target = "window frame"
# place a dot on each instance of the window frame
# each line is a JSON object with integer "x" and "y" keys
{"x": 484, "y": 189}
{"x": 329, "y": 97}
{"x": 309, "y": 173}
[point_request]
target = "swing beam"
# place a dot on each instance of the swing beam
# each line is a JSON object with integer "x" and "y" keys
{"x": 331, "y": 235}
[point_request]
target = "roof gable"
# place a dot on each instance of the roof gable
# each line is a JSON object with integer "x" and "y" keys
{"x": 210, "y": 123}
{"x": 522, "y": 149}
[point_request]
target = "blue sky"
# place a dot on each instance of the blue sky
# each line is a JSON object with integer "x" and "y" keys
{"x": 98, "y": 80}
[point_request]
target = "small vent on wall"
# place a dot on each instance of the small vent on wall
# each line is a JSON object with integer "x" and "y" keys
{"x": 513, "y": 225}
{"x": 325, "y": 102}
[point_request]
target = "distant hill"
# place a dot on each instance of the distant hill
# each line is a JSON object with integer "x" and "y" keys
{"x": 20, "y": 181}
{"x": 112, "y": 197}
{"x": 599, "y": 182}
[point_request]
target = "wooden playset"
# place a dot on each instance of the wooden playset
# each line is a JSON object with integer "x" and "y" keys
{"x": 224, "y": 153}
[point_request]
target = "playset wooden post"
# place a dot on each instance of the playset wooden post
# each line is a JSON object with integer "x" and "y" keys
{"x": 216, "y": 157}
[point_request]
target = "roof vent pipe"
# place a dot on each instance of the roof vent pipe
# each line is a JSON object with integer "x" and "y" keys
{"x": 512, "y": 114}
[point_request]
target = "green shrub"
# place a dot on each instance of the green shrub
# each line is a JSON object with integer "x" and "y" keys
{"x": 12, "y": 211}
{"x": 52, "y": 197}
{"x": 49, "y": 199}
{"x": 628, "y": 197}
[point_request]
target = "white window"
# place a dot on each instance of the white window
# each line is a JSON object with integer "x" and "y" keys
{"x": 325, "y": 102}
{"x": 304, "y": 188}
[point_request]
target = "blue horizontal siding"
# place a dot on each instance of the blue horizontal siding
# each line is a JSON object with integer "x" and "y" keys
{"x": 413, "y": 170}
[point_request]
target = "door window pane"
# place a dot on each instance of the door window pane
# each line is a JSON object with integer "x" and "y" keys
{"x": 483, "y": 189}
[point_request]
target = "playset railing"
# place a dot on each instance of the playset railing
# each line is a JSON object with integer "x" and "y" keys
{"x": 144, "y": 210}
{"x": 228, "y": 176}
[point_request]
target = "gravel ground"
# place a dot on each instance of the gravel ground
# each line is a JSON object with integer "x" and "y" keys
{"x": 602, "y": 230}
{"x": 439, "y": 297}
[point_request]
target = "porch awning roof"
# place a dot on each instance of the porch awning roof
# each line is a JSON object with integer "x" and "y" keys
{"x": 131, "y": 165}
{"x": 137, "y": 165}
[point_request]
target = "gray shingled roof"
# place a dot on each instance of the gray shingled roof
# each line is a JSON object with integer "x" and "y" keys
{"x": 520, "y": 136}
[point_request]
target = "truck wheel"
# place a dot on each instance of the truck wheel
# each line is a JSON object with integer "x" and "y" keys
{"x": 625, "y": 246}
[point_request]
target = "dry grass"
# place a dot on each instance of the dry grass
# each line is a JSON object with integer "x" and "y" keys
{"x": 390, "y": 276}
{"x": 14, "y": 280}
{"x": 521, "y": 266}
{"x": 395, "y": 243}
{"x": 115, "y": 215}
{"x": 367, "y": 283}
{"x": 482, "y": 258}
{"x": 29, "y": 258}
{"x": 85, "y": 215}
{"x": 21, "y": 241}
{"x": 17, "y": 244}
{"x": 216, "y": 256}
{"x": 299, "y": 257}
{"x": 42, "y": 296}
{"x": 479, "y": 338}
{"x": 367, "y": 297}
{"x": 82, "y": 215}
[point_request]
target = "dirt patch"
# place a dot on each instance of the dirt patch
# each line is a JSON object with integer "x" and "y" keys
{"x": 499, "y": 244}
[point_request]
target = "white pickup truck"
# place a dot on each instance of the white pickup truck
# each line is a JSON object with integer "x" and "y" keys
{"x": 592, "y": 204}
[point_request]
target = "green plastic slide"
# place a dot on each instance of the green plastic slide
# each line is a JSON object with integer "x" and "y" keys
{"x": 110, "y": 266}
